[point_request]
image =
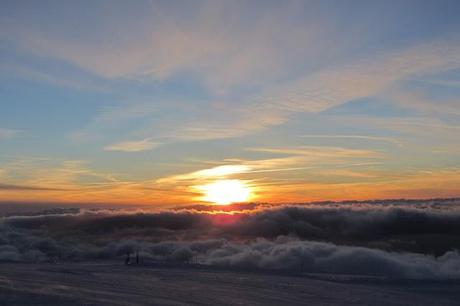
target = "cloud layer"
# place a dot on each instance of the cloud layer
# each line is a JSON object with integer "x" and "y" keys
{"x": 385, "y": 239}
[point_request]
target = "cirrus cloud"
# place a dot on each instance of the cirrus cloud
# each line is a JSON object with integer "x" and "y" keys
{"x": 133, "y": 146}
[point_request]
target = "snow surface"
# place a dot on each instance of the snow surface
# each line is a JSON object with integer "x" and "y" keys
{"x": 111, "y": 283}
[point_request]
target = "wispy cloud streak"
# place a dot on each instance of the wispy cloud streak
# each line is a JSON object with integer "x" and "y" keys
{"x": 133, "y": 146}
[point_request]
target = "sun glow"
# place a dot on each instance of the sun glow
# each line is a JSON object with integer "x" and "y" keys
{"x": 224, "y": 192}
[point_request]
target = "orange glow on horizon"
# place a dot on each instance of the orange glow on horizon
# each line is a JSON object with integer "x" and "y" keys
{"x": 437, "y": 184}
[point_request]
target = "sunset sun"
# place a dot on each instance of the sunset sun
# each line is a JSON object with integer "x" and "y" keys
{"x": 230, "y": 152}
{"x": 224, "y": 192}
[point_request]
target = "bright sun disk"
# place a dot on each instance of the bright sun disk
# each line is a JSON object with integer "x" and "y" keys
{"x": 224, "y": 192}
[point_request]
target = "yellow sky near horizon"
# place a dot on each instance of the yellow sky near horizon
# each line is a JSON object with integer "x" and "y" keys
{"x": 273, "y": 182}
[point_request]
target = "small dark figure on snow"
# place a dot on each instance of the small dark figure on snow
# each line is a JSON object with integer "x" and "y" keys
{"x": 128, "y": 258}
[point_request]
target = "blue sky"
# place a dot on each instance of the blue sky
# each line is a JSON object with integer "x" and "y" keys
{"x": 114, "y": 101}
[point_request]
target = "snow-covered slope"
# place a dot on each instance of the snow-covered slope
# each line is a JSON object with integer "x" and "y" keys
{"x": 115, "y": 284}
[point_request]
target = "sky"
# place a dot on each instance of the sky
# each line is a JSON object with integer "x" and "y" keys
{"x": 165, "y": 102}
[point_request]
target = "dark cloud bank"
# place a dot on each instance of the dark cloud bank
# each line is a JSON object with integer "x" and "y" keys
{"x": 409, "y": 241}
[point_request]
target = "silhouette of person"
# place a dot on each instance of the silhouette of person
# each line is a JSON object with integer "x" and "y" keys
{"x": 128, "y": 258}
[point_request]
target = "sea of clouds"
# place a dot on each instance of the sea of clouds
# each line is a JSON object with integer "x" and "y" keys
{"x": 402, "y": 240}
